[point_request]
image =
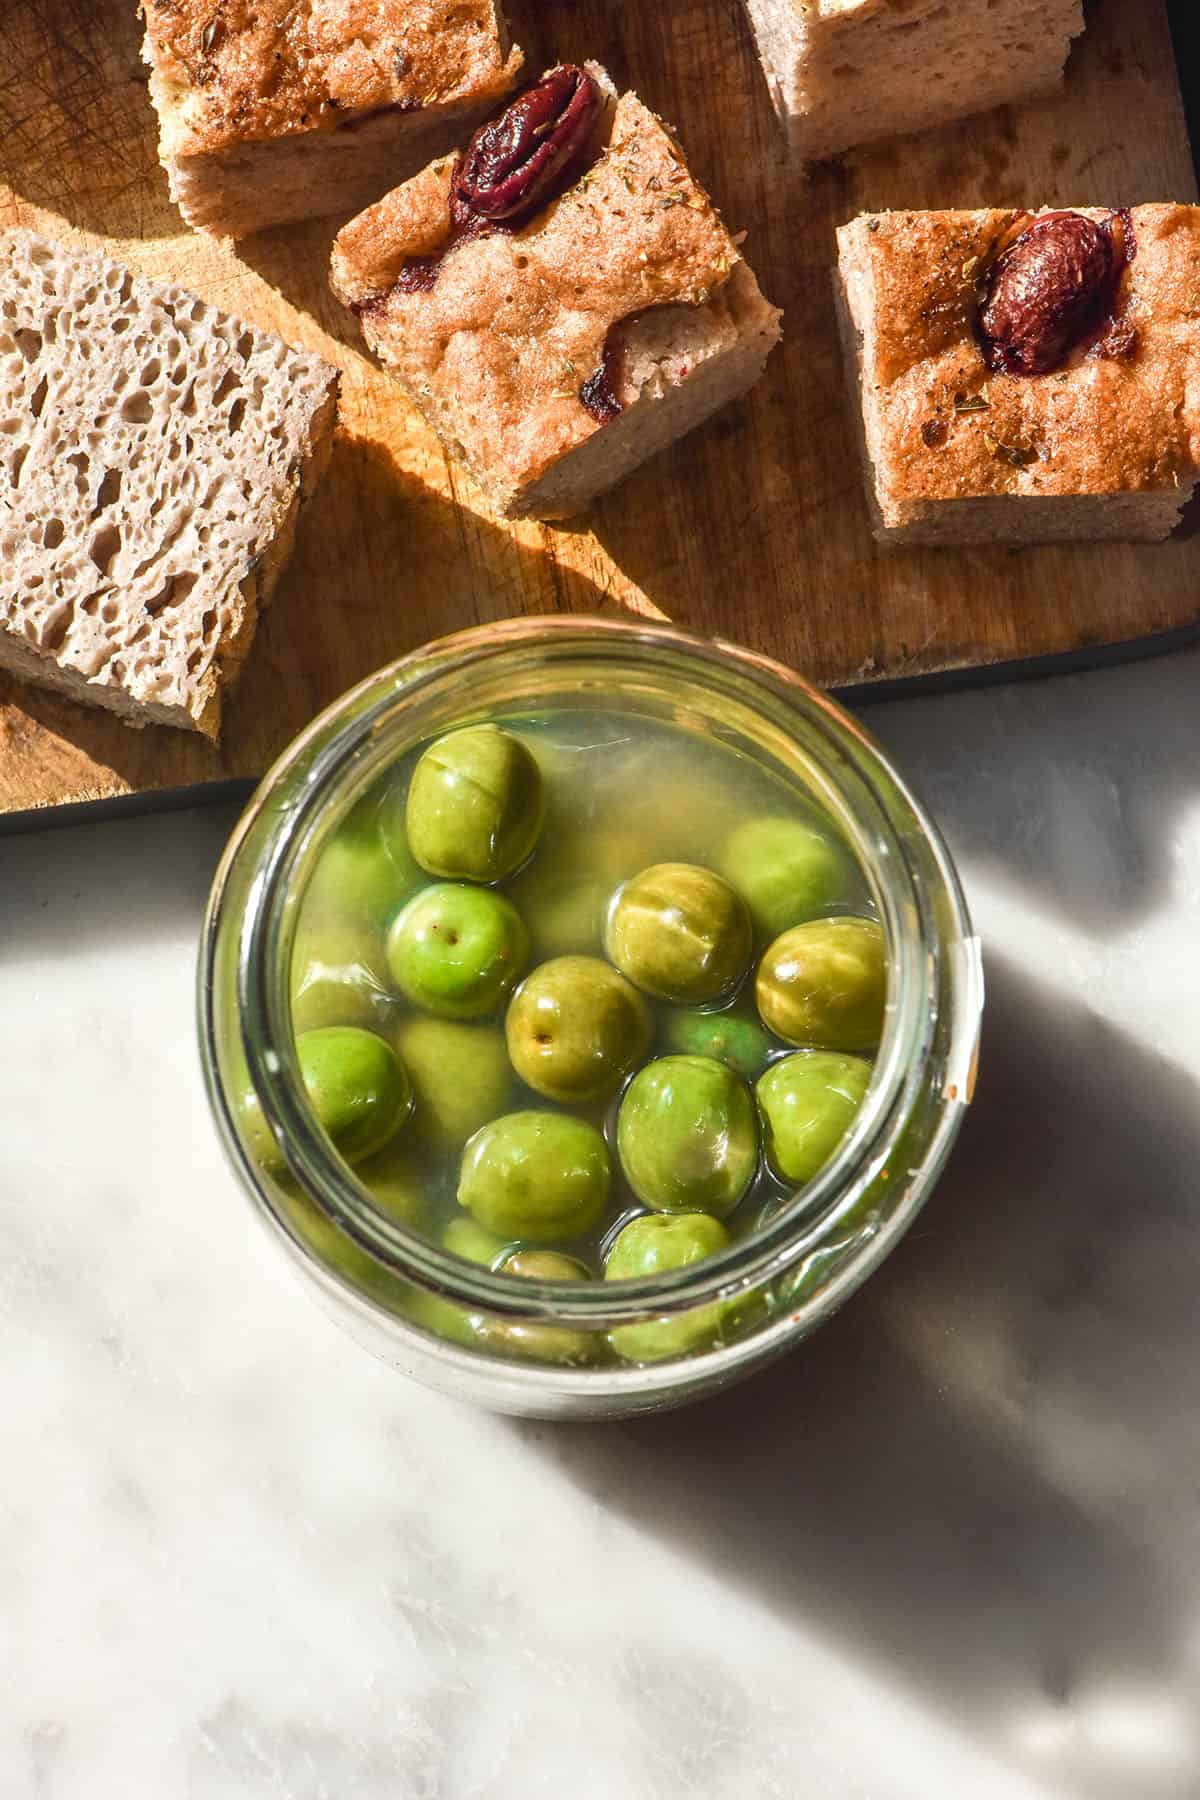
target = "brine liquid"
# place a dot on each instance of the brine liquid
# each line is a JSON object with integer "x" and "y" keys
{"x": 622, "y": 792}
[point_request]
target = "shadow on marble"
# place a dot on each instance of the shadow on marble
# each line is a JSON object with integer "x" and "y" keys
{"x": 981, "y": 1477}
{"x": 135, "y": 878}
{"x": 1090, "y": 831}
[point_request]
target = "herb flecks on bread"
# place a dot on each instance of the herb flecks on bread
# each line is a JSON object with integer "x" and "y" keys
{"x": 270, "y": 112}
{"x": 556, "y": 349}
{"x": 154, "y": 453}
{"x": 1025, "y": 378}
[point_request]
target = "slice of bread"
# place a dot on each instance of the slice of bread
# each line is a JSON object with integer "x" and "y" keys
{"x": 272, "y": 113}
{"x": 1105, "y": 445}
{"x": 628, "y": 277}
{"x": 843, "y": 72}
{"x": 153, "y": 456}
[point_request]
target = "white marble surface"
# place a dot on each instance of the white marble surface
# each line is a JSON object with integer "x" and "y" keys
{"x": 950, "y": 1548}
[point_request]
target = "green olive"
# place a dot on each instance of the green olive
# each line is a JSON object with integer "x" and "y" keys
{"x": 529, "y": 1340}
{"x": 545, "y": 1265}
{"x": 539, "y": 1176}
{"x": 654, "y": 1245}
{"x": 564, "y": 912}
{"x": 257, "y": 1138}
{"x": 467, "y": 1238}
{"x": 787, "y": 871}
{"x": 475, "y": 805}
{"x": 824, "y": 984}
{"x": 328, "y": 1243}
{"x": 397, "y": 1183}
{"x": 356, "y": 1086}
{"x": 392, "y": 831}
{"x": 457, "y": 951}
{"x": 357, "y": 877}
{"x": 662, "y": 803}
{"x": 440, "y": 1317}
{"x": 731, "y": 1038}
{"x": 808, "y": 1102}
{"x": 575, "y": 1028}
{"x": 687, "y": 1135}
{"x": 339, "y": 974}
{"x": 461, "y": 1079}
{"x": 534, "y": 1342}
{"x": 613, "y": 854}
{"x": 680, "y": 932}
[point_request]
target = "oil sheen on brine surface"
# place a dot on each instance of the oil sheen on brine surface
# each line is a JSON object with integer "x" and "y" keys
{"x": 585, "y": 993}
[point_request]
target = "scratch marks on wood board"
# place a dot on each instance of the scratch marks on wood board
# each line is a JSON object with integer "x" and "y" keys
{"x": 74, "y": 114}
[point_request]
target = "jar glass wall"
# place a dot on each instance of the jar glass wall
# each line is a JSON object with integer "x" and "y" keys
{"x": 587, "y": 1348}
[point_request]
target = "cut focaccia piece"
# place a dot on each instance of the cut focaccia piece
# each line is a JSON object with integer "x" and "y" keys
{"x": 562, "y": 300}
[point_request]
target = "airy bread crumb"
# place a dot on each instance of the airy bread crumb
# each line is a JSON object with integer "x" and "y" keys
{"x": 153, "y": 457}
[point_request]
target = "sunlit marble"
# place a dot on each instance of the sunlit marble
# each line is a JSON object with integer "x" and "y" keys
{"x": 949, "y": 1549}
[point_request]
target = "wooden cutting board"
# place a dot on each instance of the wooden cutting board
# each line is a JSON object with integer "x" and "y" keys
{"x": 754, "y": 527}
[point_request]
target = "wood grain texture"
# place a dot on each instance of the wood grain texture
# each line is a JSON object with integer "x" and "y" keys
{"x": 754, "y": 527}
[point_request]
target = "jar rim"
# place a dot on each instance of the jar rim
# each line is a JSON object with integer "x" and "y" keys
{"x": 355, "y": 730}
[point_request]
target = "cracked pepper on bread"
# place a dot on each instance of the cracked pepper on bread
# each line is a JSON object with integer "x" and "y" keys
{"x": 154, "y": 454}
{"x": 271, "y": 112}
{"x": 843, "y": 72}
{"x": 560, "y": 301}
{"x": 1025, "y": 378}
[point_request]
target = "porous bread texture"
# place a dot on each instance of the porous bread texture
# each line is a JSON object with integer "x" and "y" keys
{"x": 269, "y": 112}
{"x": 154, "y": 453}
{"x": 632, "y": 255}
{"x": 844, "y": 72}
{"x": 1104, "y": 448}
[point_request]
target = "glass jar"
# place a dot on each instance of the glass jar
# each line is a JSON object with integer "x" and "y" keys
{"x": 486, "y": 1336}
